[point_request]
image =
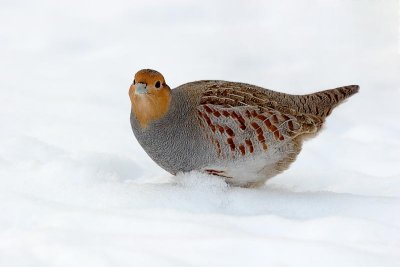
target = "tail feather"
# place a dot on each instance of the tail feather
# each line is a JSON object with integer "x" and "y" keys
{"x": 322, "y": 103}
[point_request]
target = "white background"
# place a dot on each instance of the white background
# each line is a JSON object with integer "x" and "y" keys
{"x": 76, "y": 189}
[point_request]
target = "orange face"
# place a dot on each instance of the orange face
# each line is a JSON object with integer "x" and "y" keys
{"x": 150, "y": 96}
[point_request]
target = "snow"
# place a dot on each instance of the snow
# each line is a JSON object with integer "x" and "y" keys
{"x": 76, "y": 189}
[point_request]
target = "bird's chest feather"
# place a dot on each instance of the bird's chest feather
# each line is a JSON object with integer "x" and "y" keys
{"x": 173, "y": 142}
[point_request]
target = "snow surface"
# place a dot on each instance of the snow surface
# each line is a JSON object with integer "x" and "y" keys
{"x": 76, "y": 189}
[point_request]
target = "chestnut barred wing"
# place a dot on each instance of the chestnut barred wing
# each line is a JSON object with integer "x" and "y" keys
{"x": 245, "y": 130}
{"x": 239, "y": 120}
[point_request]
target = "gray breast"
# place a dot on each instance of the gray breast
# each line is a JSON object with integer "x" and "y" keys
{"x": 175, "y": 142}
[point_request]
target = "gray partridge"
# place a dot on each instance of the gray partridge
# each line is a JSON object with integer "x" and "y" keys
{"x": 241, "y": 132}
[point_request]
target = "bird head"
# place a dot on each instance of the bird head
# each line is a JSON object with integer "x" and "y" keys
{"x": 150, "y": 96}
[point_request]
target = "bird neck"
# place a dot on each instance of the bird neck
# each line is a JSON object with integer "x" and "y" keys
{"x": 149, "y": 107}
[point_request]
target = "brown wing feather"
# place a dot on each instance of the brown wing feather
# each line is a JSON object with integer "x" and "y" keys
{"x": 236, "y": 94}
{"x": 247, "y": 119}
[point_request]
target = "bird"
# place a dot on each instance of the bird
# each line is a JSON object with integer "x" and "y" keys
{"x": 243, "y": 133}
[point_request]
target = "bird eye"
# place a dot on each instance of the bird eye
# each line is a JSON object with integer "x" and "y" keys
{"x": 158, "y": 83}
{"x": 134, "y": 81}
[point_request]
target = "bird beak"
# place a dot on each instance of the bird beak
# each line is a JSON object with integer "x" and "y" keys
{"x": 141, "y": 89}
